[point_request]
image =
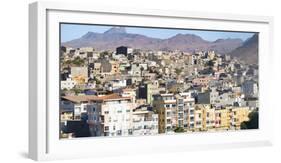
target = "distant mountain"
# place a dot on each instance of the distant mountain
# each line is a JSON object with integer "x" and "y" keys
{"x": 111, "y": 39}
{"x": 225, "y": 45}
{"x": 248, "y": 52}
{"x": 116, "y": 30}
{"x": 118, "y": 36}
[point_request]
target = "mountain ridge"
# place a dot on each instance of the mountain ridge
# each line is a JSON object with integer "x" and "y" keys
{"x": 118, "y": 36}
{"x": 248, "y": 51}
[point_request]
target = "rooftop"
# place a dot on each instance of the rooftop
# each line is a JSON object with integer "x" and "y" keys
{"x": 86, "y": 98}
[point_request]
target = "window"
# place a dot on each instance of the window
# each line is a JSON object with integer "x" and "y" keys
{"x": 168, "y": 114}
{"x": 106, "y": 112}
{"x": 180, "y": 101}
{"x": 180, "y": 108}
{"x": 180, "y": 115}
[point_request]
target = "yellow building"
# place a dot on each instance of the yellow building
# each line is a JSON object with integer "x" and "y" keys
{"x": 66, "y": 116}
{"x": 114, "y": 67}
{"x": 201, "y": 117}
{"x": 231, "y": 117}
{"x": 198, "y": 118}
{"x": 174, "y": 111}
{"x": 237, "y": 116}
{"x": 222, "y": 119}
{"x": 209, "y": 117}
{"x": 204, "y": 117}
{"x": 165, "y": 105}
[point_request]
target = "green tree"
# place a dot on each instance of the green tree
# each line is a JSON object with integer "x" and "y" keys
{"x": 179, "y": 130}
{"x": 141, "y": 70}
{"x": 103, "y": 54}
{"x": 178, "y": 71}
{"x": 210, "y": 63}
{"x": 253, "y": 122}
{"x": 78, "y": 61}
{"x": 76, "y": 90}
{"x": 97, "y": 81}
{"x": 68, "y": 62}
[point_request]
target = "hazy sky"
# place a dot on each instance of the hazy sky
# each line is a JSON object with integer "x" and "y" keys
{"x": 73, "y": 31}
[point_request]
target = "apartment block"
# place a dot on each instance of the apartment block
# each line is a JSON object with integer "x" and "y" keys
{"x": 222, "y": 119}
{"x": 145, "y": 121}
{"x": 111, "y": 115}
{"x": 79, "y": 104}
{"x": 237, "y": 116}
{"x": 205, "y": 117}
{"x": 173, "y": 111}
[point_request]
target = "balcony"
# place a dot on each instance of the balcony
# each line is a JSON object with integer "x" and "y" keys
{"x": 148, "y": 119}
{"x": 137, "y": 120}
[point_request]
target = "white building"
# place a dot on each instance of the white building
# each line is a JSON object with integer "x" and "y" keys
{"x": 115, "y": 84}
{"x": 145, "y": 122}
{"x": 111, "y": 115}
{"x": 68, "y": 84}
{"x": 127, "y": 92}
{"x": 137, "y": 69}
{"x": 79, "y": 103}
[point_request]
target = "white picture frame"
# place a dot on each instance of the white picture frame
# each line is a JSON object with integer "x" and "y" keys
{"x": 44, "y": 143}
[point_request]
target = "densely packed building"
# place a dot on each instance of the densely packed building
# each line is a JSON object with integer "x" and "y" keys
{"x": 134, "y": 92}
